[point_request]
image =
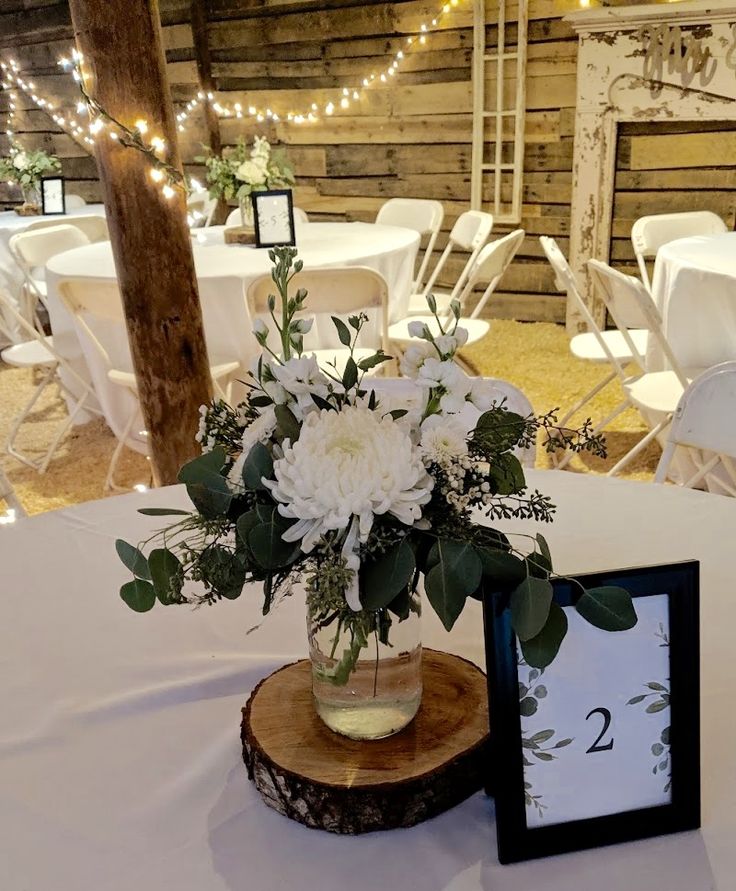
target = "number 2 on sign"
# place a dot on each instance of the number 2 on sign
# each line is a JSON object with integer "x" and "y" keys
{"x": 597, "y": 745}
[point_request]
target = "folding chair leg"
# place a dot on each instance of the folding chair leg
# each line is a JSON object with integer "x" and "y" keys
{"x": 7, "y": 494}
{"x": 110, "y": 484}
{"x": 588, "y": 396}
{"x": 64, "y": 429}
{"x": 20, "y": 420}
{"x": 641, "y": 445}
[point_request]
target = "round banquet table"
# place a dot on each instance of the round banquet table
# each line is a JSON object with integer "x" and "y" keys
{"x": 223, "y": 271}
{"x": 120, "y": 759}
{"x": 694, "y": 286}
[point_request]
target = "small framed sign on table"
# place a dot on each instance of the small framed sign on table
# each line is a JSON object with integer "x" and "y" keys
{"x": 273, "y": 215}
{"x": 603, "y": 745}
{"x": 53, "y": 198}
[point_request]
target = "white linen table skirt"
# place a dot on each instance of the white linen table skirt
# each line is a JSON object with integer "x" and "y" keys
{"x": 694, "y": 287}
{"x": 223, "y": 271}
{"x": 120, "y": 757}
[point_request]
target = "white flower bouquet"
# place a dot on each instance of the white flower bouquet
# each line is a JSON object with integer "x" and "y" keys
{"x": 320, "y": 481}
{"x": 27, "y": 168}
{"x": 242, "y": 170}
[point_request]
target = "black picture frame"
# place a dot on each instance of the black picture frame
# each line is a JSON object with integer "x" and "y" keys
{"x": 262, "y": 239}
{"x": 516, "y": 841}
{"x": 47, "y": 207}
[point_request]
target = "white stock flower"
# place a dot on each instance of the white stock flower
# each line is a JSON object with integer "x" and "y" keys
{"x": 481, "y": 393}
{"x": 301, "y": 377}
{"x": 446, "y": 344}
{"x": 260, "y": 328}
{"x": 348, "y": 464}
{"x": 461, "y": 336}
{"x": 417, "y": 329}
{"x": 261, "y": 149}
{"x": 252, "y": 173}
{"x": 259, "y": 431}
{"x": 449, "y": 381}
{"x": 304, "y": 326}
{"x": 20, "y": 160}
{"x": 442, "y": 440}
{"x": 414, "y": 357}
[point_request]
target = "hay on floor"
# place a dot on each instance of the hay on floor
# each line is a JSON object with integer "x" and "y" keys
{"x": 534, "y": 356}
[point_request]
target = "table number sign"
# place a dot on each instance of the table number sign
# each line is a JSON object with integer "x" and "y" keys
{"x": 273, "y": 214}
{"x": 602, "y": 746}
{"x": 53, "y": 200}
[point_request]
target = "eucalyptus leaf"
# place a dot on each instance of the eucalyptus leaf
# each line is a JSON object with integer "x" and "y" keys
{"x": 163, "y": 512}
{"x": 385, "y": 578}
{"x": 167, "y": 575}
{"x": 499, "y": 429}
{"x": 500, "y": 568}
{"x": 267, "y": 545}
{"x": 287, "y": 424}
{"x": 506, "y": 475}
{"x": 530, "y": 607}
{"x": 139, "y": 595}
{"x": 258, "y": 464}
{"x": 456, "y": 572}
{"x": 610, "y": 608}
{"x": 542, "y": 649}
{"x": 133, "y": 559}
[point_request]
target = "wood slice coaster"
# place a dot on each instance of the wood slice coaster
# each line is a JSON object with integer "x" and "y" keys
{"x": 240, "y": 235}
{"x": 327, "y": 781}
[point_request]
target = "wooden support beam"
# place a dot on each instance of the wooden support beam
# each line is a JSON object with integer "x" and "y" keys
{"x": 125, "y": 70}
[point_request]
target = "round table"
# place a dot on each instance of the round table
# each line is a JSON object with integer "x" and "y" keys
{"x": 120, "y": 759}
{"x": 223, "y": 271}
{"x": 694, "y": 286}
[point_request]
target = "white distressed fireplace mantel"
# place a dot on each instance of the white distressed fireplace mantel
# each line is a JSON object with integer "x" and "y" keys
{"x": 660, "y": 62}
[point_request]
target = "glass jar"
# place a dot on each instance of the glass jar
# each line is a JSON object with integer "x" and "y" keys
{"x": 367, "y": 670}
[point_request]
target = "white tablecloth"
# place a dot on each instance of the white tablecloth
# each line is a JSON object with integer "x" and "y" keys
{"x": 694, "y": 286}
{"x": 222, "y": 272}
{"x": 120, "y": 759}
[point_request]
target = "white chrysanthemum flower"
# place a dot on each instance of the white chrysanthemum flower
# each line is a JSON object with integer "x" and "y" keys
{"x": 414, "y": 357}
{"x": 259, "y": 431}
{"x": 348, "y": 464}
{"x": 20, "y": 160}
{"x": 252, "y": 173}
{"x": 449, "y": 380}
{"x": 442, "y": 440}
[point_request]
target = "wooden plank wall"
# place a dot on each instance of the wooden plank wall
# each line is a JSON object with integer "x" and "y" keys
{"x": 409, "y": 138}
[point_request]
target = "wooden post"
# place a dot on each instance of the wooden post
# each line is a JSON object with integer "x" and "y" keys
{"x": 124, "y": 65}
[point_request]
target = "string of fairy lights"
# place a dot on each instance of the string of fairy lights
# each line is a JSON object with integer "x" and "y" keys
{"x": 92, "y": 120}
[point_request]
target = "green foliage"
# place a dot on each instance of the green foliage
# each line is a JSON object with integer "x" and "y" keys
{"x": 258, "y": 464}
{"x": 27, "y": 168}
{"x": 266, "y": 543}
{"x": 541, "y": 650}
{"x": 455, "y": 572}
{"x": 610, "y": 608}
{"x": 133, "y": 559}
{"x": 384, "y": 579}
{"x": 206, "y": 486}
{"x": 530, "y": 606}
{"x": 139, "y": 595}
{"x": 167, "y": 575}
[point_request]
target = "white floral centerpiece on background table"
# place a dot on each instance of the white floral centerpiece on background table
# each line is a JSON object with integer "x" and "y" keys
{"x": 26, "y": 169}
{"x": 320, "y": 485}
{"x": 240, "y": 171}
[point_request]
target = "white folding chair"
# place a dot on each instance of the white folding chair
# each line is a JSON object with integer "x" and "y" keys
{"x": 341, "y": 292}
{"x": 92, "y": 225}
{"x": 654, "y": 393}
{"x": 705, "y": 421}
{"x": 15, "y": 510}
{"x": 649, "y": 233}
{"x": 74, "y": 202}
{"x": 300, "y": 216}
{"x": 594, "y": 345}
{"x": 38, "y": 352}
{"x": 32, "y": 249}
{"x": 469, "y": 234}
{"x": 95, "y": 304}
{"x": 234, "y": 218}
{"x": 489, "y": 267}
{"x": 421, "y": 215}
{"x": 200, "y": 209}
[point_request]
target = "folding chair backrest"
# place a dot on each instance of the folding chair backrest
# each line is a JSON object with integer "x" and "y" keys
{"x": 489, "y": 266}
{"x": 706, "y": 419}
{"x": 649, "y": 233}
{"x": 92, "y": 301}
{"x": 92, "y": 225}
{"x": 300, "y": 216}
{"x": 33, "y": 249}
{"x": 631, "y": 307}
{"x": 74, "y": 202}
{"x": 420, "y": 214}
{"x": 470, "y": 233}
{"x": 200, "y": 208}
{"x": 234, "y": 218}
{"x": 341, "y": 292}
